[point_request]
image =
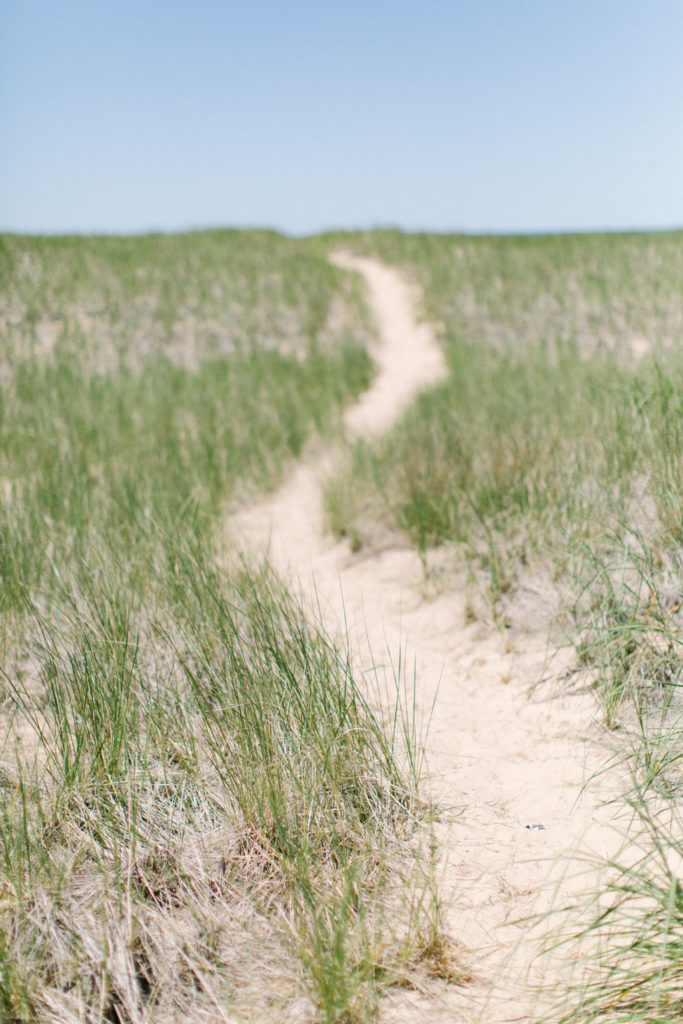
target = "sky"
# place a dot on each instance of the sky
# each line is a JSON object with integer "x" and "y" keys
{"x": 303, "y": 115}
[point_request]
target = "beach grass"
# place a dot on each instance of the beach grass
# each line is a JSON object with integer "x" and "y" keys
{"x": 203, "y": 814}
{"x": 554, "y": 451}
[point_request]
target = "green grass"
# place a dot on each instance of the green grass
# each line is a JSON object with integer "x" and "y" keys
{"x": 122, "y": 459}
{"x": 190, "y": 296}
{"x": 202, "y": 795}
{"x": 555, "y": 451}
{"x": 547, "y": 442}
{"x": 598, "y": 291}
{"x": 107, "y": 444}
{"x": 201, "y": 813}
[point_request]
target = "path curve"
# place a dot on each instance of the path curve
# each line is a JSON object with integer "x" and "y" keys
{"x": 500, "y": 759}
{"x": 408, "y": 356}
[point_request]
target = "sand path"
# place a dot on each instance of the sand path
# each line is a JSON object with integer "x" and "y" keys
{"x": 500, "y": 756}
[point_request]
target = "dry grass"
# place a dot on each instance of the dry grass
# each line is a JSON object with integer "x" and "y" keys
{"x": 202, "y": 816}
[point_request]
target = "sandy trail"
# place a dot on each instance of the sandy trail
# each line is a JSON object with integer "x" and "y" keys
{"x": 499, "y": 756}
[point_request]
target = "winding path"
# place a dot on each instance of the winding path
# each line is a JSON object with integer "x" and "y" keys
{"x": 499, "y": 758}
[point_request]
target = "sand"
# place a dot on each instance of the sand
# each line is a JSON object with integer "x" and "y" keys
{"x": 510, "y": 744}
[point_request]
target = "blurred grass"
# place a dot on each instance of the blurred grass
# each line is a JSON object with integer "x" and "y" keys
{"x": 201, "y": 814}
{"x": 559, "y": 433}
{"x": 109, "y": 439}
{"x": 555, "y": 451}
{"x": 610, "y": 292}
{"x": 189, "y": 296}
{"x": 199, "y": 807}
{"x": 124, "y": 458}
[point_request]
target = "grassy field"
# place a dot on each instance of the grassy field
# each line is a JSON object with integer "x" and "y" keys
{"x": 202, "y": 814}
{"x": 190, "y": 296}
{"x": 145, "y": 423}
{"x": 554, "y": 453}
{"x": 198, "y": 805}
{"x": 546, "y": 442}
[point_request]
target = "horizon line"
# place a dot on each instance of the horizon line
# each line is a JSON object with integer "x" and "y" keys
{"x": 265, "y": 228}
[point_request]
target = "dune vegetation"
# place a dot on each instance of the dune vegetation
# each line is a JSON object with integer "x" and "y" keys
{"x": 547, "y": 442}
{"x": 554, "y": 452}
{"x": 198, "y": 803}
{"x": 204, "y": 814}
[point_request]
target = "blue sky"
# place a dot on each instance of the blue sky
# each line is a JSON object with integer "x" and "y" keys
{"x": 476, "y": 115}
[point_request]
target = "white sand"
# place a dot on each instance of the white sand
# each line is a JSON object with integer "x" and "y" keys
{"x": 499, "y": 756}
